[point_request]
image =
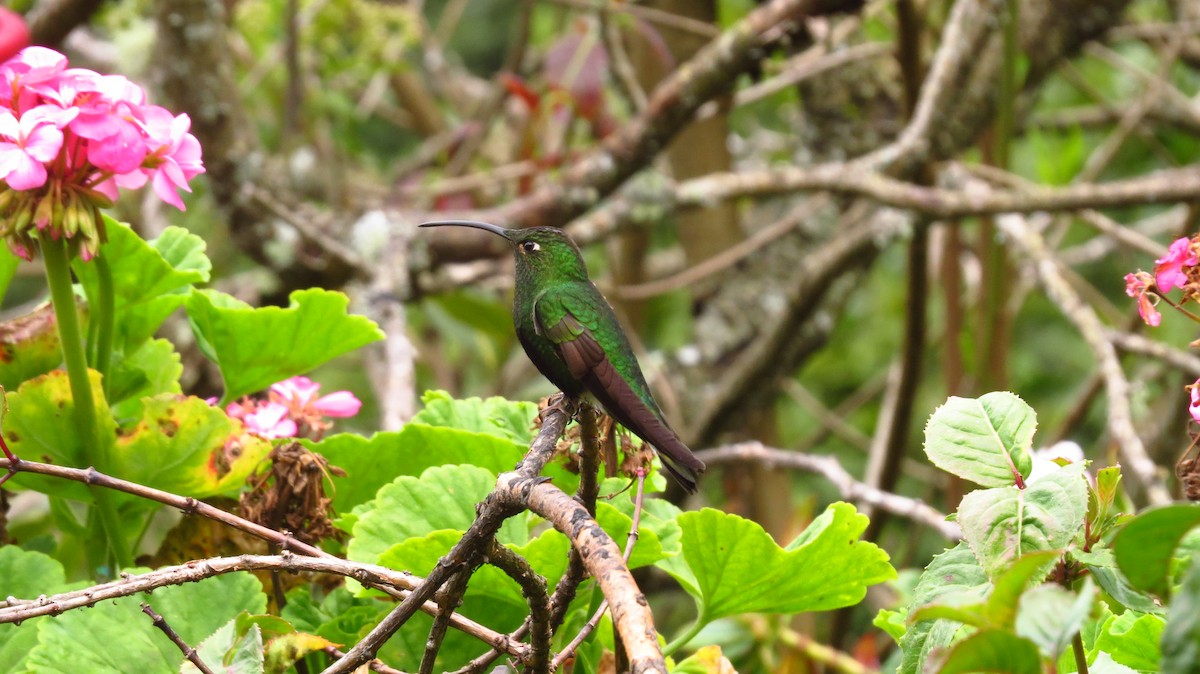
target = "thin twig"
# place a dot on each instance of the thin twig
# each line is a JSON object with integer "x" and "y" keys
{"x": 374, "y": 665}
{"x": 850, "y": 488}
{"x": 188, "y": 652}
{"x": 533, "y": 588}
{"x": 191, "y": 506}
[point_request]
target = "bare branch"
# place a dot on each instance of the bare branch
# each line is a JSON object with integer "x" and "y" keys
{"x": 1120, "y": 419}
{"x": 188, "y": 652}
{"x": 850, "y": 488}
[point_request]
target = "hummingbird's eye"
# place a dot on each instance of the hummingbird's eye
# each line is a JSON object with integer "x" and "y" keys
{"x": 530, "y": 246}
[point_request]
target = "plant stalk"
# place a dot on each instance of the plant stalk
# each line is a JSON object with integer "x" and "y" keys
{"x": 104, "y": 315}
{"x": 58, "y": 276}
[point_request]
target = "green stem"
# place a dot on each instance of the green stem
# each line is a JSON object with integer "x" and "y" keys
{"x": 102, "y": 314}
{"x": 685, "y": 638}
{"x": 1080, "y": 654}
{"x": 58, "y": 276}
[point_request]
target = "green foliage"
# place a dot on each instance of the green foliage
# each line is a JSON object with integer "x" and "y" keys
{"x": 151, "y": 279}
{"x": 1145, "y": 546}
{"x": 313, "y": 329}
{"x": 817, "y": 571}
{"x": 82, "y": 641}
{"x": 989, "y": 605}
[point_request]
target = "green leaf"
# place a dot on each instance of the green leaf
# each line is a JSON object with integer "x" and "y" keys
{"x": 1010, "y": 587}
{"x": 1181, "y": 637}
{"x": 1051, "y": 615}
{"x": 1004, "y": 523}
{"x": 255, "y": 348}
{"x": 1103, "y": 566}
{"x": 150, "y": 279}
{"x": 954, "y": 572}
{"x": 40, "y": 426}
{"x": 1145, "y": 546}
{"x": 152, "y": 368}
{"x": 993, "y": 651}
{"x": 825, "y": 567}
{"x": 186, "y": 446}
{"x": 230, "y": 651}
{"x": 370, "y": 463}
{"x": 999, "y": 611}
{"x": 894, "y": 623}
{"x": 1132, "y": 639}
{"x": 24, "y": 575}
{"x": 29, "y": 346}
{"x": 982, "y": 439}
{"x": 83, "y": 641}
{"x": 647, "y": 548}
{"x": 493, "y": 416}
{"x": 444, "y": 497}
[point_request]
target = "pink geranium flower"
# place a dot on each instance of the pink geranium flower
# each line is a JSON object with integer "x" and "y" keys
{"x": 294, "y": 408}
{"x": 70, "y": 138}
{"x": 271, "y": 421}
{"x": 1170, "y": 270}
{"x": 300, "y": 395}
{"x": 1194, "y": 407}
{"x": 1138, "y": 286}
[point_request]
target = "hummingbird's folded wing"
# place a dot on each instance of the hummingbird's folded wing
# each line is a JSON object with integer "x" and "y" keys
{"x": 570, "y": 324}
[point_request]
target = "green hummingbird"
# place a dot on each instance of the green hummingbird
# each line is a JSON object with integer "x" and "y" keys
{"x": 572, "y": 335}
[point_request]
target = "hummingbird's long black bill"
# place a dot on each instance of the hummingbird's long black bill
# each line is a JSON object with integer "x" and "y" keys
{"x": 476, "y": 224}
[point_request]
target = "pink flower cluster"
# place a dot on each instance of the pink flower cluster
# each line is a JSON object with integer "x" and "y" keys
{"x": 69, "y": 138}
{"x": 292, "y": 409}
{"x": 1170, "y": 271}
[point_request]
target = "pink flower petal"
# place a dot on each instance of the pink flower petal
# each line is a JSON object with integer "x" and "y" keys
{"x": 298, "y": 391}
{"x": 44, "y": 142}
{"x": 270, "y": 421}
{"x": 1194, "y": 408}
{"x": 121, "y": 152}
{"x": 338, "y": 404}
{"x": 21, "y": 171}
{"x": 1169, "y": 270}
{"x": 165, "y": 190}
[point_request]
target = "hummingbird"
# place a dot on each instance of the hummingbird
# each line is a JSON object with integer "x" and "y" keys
{"x": 571, "y": 333}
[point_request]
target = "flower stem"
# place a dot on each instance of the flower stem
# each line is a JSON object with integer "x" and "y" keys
{"x": 58, "y": 276}
{"x": 103, "y": 314}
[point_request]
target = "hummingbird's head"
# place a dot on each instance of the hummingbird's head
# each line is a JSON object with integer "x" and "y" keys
{"x": 542, "y": 253}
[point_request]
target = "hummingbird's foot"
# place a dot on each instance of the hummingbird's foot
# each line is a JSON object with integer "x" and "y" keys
{"x": 559, "y": 402}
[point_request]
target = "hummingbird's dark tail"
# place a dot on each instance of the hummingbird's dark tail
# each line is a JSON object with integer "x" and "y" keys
{"x": 683, "y": 466}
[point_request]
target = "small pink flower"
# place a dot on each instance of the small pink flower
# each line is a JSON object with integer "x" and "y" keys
{"x": 174, "y": 156}
{"x": 300, "y": 395}
{"x": 271, "y": 421}
{"x": 1194, "y": 408}
{"x": 29, "y": 144}
{"x": 1169, "y": 269}
{"x": 1138, "y": 286}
